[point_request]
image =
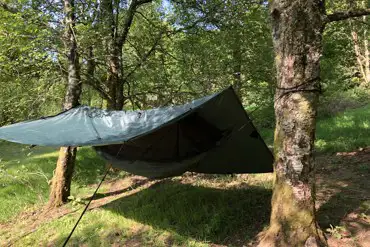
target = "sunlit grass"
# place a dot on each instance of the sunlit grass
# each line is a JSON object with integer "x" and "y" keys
{"x": 25, "y": 174}
{"x": 105, "y": 228}
{"x": 345, "y": 131}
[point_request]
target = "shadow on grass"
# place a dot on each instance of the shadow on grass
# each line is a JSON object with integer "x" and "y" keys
{"x": 345, "y": 182}
{"x": 133, "y": 186}
{"x": 206, "y": 214}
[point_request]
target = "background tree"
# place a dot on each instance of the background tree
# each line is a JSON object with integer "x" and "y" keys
{"x": 360, "y": 40}
{"x": 61, "y": 183}
{"x": 116, "y": 30}
{"x": 31, "y": 82}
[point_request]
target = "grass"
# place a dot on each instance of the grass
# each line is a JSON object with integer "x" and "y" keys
{"x": 25, "y": 175}
{"x": 24, "y": 179}
{"x": 345, "y": 131}
{"x": 184, "y": 215}
{"x": 194, "y": 211}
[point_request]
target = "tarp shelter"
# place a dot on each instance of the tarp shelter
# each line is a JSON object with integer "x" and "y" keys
{"x": 209, "y": 135}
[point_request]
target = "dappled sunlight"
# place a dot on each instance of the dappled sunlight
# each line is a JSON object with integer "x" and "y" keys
{"x": 321, "y": 144}
{"x": 366, "y": 124}
{"x": 343, "y": 132}
{"x": 44, "y": 155}
{"x": 205, "y": 210}
{"x": 343, "y": 200}
{"x": 344, "y": 122}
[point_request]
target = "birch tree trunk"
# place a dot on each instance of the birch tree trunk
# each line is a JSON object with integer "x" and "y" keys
{"x": 297, "y": 35}
{"x": 361, "y": 64}
{"x": 61, "y": 183}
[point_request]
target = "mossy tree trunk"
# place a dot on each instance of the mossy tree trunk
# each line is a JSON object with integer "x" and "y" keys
{"x": 61, "y": 183}
{"x": 297, "y": 34}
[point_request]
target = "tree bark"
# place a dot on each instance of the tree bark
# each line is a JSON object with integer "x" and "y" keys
{"x": 115, "y": 83}
{"x": 362, "y": 55}
{"x": 237, "y": 55}
{"x": 366, "y": 77}
{"x": 110, "y": 27}
{"x": 361, "y": 63}
{"x": 297, "y": 34}
{"x": 367, "y": 56}
{"x": 115, "y": 40}
{"x": 61, "y": 183}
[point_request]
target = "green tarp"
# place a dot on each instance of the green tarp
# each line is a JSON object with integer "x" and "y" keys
{"x": 209, "y": 135}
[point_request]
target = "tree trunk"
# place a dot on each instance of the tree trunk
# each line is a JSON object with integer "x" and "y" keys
{"x": 366, "y": 55}
{"x": 297, "y": 33}
{"x": 90, "y": 72}
{"x": 237, "y": 65}
{"x": 61, "y": 183}
{"x": 237, "y": 57}
{"x": 362, "y": 58}
{"x": 116, "y": 37}
{"x": 114, "y": 48}
{"x": 115, "y": 85}
{"x": 359, "y": 57}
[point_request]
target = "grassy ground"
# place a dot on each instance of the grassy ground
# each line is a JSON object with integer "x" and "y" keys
{"x": 345, "y": 131}
{"x": 25, "y": 174}
{"x": 192, "y": 210}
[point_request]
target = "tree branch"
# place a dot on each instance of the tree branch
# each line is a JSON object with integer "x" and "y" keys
{"x": 95, "y": 84}
{"x": 129, "y": 18}
{"x": 340, "y": 16}
{"x": 146, "y": 19}
{"x": 145, "y": 57}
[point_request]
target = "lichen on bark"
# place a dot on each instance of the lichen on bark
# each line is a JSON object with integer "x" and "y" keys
{"x": 297, "y": 34}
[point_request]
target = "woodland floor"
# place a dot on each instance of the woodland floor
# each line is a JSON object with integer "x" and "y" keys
{"x": 343, "y": 207}
{"x": 191, "y": 210}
